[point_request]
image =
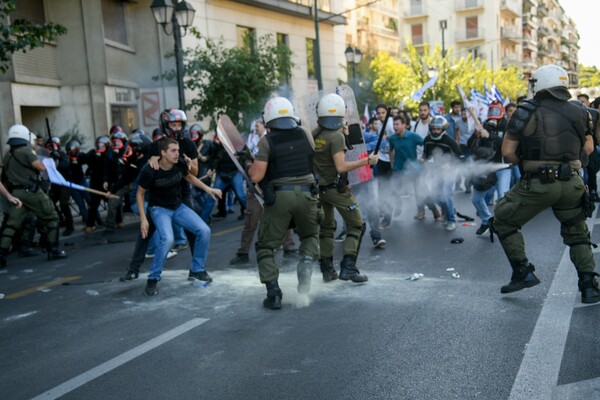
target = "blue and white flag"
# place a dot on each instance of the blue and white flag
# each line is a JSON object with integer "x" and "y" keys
{"x": 488, "y": 93}
{"x": 418, "y": 95}
{"x": 480, "y": 103}
{"x": 496, "y": 94}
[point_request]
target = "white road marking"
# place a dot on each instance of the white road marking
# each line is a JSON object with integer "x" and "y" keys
{"x": 116, "y": 362}
{"x": 538, "y": 374}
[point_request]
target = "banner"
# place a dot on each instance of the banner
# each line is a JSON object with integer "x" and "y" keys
{"x": 55, "y": 177}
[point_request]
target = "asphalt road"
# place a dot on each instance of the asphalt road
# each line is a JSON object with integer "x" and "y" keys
{"x": 438, "y": 337}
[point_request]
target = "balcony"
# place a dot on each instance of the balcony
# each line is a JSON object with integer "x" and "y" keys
{"x": 529, "y": 43}
{"x": 530, "y": 20}
{"x": 384, "y": 9}
{"x": 510, "y": 8}
{"x": 299, "y": 8}
{"x": 468, "y": 5}
{"x": 530, "y": 3}
{"x": 542, "y": 10}
{"x": 415, "y": 10}
{"x": 419, "y": 40}
{"x": 468, "y": 35}
{"x": 383, "y": 31}
{"x": 528, "y": 64}
{"x": 554, "y": 15}
{"x": 510, "y": 33}
{"x": 509, "y": 60}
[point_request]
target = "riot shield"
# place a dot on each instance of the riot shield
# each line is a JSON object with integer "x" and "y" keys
{"x": 233, "y": 142}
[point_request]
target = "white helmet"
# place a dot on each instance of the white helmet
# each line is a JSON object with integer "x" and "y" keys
{"x": 331, "y": 111}
{"x": 18, "y": 135}
{"x": 279, "y": 114}
{"x": 547, "y": 77}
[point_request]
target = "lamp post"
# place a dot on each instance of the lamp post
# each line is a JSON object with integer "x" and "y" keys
{"x": 176, "y": 15}
{"x": 432, "y": 73}
{"x": 353, "y": 57}
{"x": 443, "y": 26}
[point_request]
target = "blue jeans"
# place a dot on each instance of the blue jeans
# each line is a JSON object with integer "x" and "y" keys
{"x": 190, "y": 221}
{"x": 155, "y": 240}
{"x": 447, "y": 201}
{"x": 237, "y": 183}
{"x": 81, "y": 198}
{"x": 480, "y": 200}
{"x": 503, "y": 184}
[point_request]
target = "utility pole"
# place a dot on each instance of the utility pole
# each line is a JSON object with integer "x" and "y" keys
{"x": 317, "y": 49}
{"x": 443, "y": 26}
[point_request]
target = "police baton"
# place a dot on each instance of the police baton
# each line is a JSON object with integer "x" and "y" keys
{"x": 382, "y": 131}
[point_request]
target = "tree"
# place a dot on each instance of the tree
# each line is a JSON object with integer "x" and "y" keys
{"x": 22, "y": 35}
{"x": 396, "y": 81}
{"x": 588, "y": 76}
{"x": 235, "y": 81}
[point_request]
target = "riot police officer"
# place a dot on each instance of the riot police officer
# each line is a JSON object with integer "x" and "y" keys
{"x": 284, "y": 168}
{"x": 547, "y": 135}
{"x": 330, "y": 165}
{"x": 21, "y": 172}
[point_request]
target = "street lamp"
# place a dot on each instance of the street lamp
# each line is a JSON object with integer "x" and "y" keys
{"x": 432, "y": 73}
{"x": 176, "y": 15}
{"x": 353, "y": 57}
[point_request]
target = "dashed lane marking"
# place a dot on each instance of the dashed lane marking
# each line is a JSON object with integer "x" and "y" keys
{"x": 226, "y": 231}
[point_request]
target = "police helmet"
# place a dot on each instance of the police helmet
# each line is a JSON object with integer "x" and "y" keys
{"x": 114, "y": 129}
{"x": 495, "y": 110}
{"x": 102, "y": 144}
{"x": 331, "y": 111}
{"x": 118, "y": 141}
{"x": 279, "y": 114}
{"x": 547, "y": 77}
{"x": 157, "y": 134}
{"x": 19, "y": 135}
{"x": 140, "y": 140}
{"x": 195, "y": 132}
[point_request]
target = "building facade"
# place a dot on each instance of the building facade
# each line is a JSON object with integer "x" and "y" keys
{"x": 106, "y": 70}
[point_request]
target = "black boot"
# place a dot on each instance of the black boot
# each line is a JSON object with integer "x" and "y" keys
{"x": 522, "y": 277}
{"x": 304, "y": 271}
{"x": 588, "y": 285}
{"x": 329, "y": 273}
{"x": 56, "y": 254}
{"x": 274, "y": 296}
{"x": 348, "y": 270}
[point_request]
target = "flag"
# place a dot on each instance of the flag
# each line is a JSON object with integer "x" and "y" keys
{"x": 418, "y": 95}
{"x": 366, "y": 116}
{"x": 55, "y": 176}
{"x": 480, "y": 103}
{"x": 488, "y": 93}
{"x": 497, "y": 94}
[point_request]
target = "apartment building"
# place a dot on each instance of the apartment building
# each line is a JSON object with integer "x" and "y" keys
{"x": 103, "y": 71}
{"x": 374, "y": 27}
{"x": 523, "y": 33}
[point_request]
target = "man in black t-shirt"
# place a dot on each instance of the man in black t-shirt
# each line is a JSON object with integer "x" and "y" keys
{"x": 165, "y": 206}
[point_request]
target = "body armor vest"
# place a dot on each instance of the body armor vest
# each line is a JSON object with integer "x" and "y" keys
{"x": 559, "y": 134}
{"x": 290, "y": 154}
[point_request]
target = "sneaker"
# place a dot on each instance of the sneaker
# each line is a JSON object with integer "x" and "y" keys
{"x": 483, "y": 229}
{"x": 200, "y": 275}
{"x": 148, "y": 255}
{"x": 129, "y": 276}
{"x": 151, "y": 288}
{"x": 240, "y": 259}
{"x": 379, "y": 243}
{"x": 420, "y": 214}
{"x": 450, "y": 226}
{"x": 89, "y": 229}
{"x": 180, "y": 247}
{"x": 340, "y": 238}
{"x": 170, "y": 255}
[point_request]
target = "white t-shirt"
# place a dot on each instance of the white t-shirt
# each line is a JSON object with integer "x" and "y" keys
{"x": 421, "y": 128}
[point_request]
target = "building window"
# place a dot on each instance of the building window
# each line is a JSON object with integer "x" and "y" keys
{"x": 246, "y": 37}
{"x": 30, "y": 10}
{"x": 472, "y": 27}
{"x": 113, "y": 18}
{"x": 416, "y": 32}
{"x": 475, "y": 52}
{"x": 310, "y": 58}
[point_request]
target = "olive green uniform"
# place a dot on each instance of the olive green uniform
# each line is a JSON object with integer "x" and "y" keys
{"x": 295, "y": 204}
{"x": 22, "y": 183}
{"x": 328, "y": 143}
{"x": 530, "y": 196}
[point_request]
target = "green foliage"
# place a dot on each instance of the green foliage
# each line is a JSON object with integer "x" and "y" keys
{"x": 22, "y": 35}
{"x": 234, "y": 81}
{"x": 589, "y": 76}
{"x": 396, "y": 81}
